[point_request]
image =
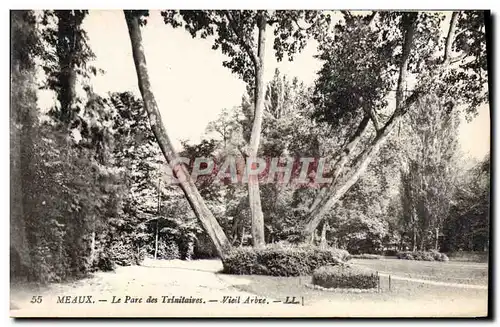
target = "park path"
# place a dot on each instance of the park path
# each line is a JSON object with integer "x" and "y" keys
{"x": 199, "y": 280}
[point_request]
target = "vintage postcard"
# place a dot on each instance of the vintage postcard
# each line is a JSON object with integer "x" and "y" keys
{"x": 249, "y": 163}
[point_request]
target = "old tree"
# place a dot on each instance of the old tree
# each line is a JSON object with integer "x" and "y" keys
{"x": 376, "y": 69}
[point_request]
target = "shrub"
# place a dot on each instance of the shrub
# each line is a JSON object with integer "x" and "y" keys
{"x": 366, "y": 256}
{"x": 168, "y": 251}
{"x": 438, "y": 256}
{"x": 423, "y": 255}
{"x": 123, "y": 254}
{"x": 204, "y": 248}
{"x": 281, "y": 260}
{"x": 104, "y": 262}
{"x": 390, "y": 253}
{"x": 344, "y": 276}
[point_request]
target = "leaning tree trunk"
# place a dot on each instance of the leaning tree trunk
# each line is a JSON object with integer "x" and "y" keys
{"x": 206, "y": 218}
{"x": 343, "y": 158}
{"x": 258, "y": 239}
{"x": 337, "y": 190}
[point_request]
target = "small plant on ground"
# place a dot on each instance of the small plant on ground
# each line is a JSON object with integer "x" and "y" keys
{"x": 344, "y": 276}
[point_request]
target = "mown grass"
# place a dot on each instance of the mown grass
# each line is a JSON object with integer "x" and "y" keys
{"x": 280, "y": 287}
{"x": 450, "y": 272}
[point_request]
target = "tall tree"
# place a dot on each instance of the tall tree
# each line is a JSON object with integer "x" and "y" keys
{"x": 134, "y": 21}
{"x": 429, "y": 162}
{"x": 25, "y": 48}
{"x": 241, "y": 34}
{"x": 66, "y": 61}
{"x": 412, "y": 42}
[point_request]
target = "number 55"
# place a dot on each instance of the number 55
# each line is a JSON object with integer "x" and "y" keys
{"x": 36, "y": 299}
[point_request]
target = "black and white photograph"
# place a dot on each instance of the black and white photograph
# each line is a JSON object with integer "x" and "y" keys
{"x": 250, "y": 163}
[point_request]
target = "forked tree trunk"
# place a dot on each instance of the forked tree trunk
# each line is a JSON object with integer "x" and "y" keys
{"x": 258, "y": 239}
{"x": 337, "y": 190}
{"x": 341, "y": 162}
{"x": 206, "y": 218}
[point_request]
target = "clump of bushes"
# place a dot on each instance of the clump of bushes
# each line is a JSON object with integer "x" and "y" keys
{"x": 281, "y": 260}
{"x": 366, "y": 256}
{"x": 103, "y": 261}
{"x": 390, "y": 253}
{"x": 168, "y": 251}
{"x": 124, "y": 254}
{"x": 423, "y": 255}
{"x": 344, "y": 276}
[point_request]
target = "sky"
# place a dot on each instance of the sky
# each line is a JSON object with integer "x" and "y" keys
{"x": 189, "y": 82}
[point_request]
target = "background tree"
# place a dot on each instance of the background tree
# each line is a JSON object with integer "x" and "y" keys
{"x": 467, "y": 225}
{"x": 429, "y": 162}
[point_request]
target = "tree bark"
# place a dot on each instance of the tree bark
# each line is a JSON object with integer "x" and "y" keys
{"x": 258, "y": 239}
{"x": 156, "y": 239}
{"x": 206, "y": 218}
{"x": 323, "y": 243}
{"x": 344, "y": 158}
{"x": 436, "y": 246}
{"x": 337, "y": 190}
{"x": 414, "y": 244}
{"x": 66, "y": 52}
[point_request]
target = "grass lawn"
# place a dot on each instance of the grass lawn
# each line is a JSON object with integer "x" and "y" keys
{"x": 401, "y": 290}
{"x": 280, "y": 287}
{"x": 451, "y": 272}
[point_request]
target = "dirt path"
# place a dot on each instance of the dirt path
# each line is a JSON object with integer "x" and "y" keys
{"x": 218, "y": 295}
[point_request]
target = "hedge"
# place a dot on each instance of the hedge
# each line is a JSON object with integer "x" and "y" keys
{"x": 423, "y": 255}
{"x": 279, "y": 260}
{"x": 366, "y": 256}
{"x": 344, "y": 276}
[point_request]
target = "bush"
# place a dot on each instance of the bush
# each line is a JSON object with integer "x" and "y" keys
{"x": 344, "y": 276}
{"x": 104, "y": 262}
{"x": 365, "y": 256}
{"x": 390, "y": 253}
{"x": 204, "y": 248}
{"x": 168, "y": 251}
{"x": 123, "y": 254}
{"x": 281, "y": 260}
{"x": 423, "y": 255}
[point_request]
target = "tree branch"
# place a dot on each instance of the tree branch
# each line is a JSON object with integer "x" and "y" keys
{"x": 409, "y": 31}
{"x": 243, "y": 43}
{"x": 450, "y": 38}
{"x": 372, "y": 18}
{"x": 373, "y": 117}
